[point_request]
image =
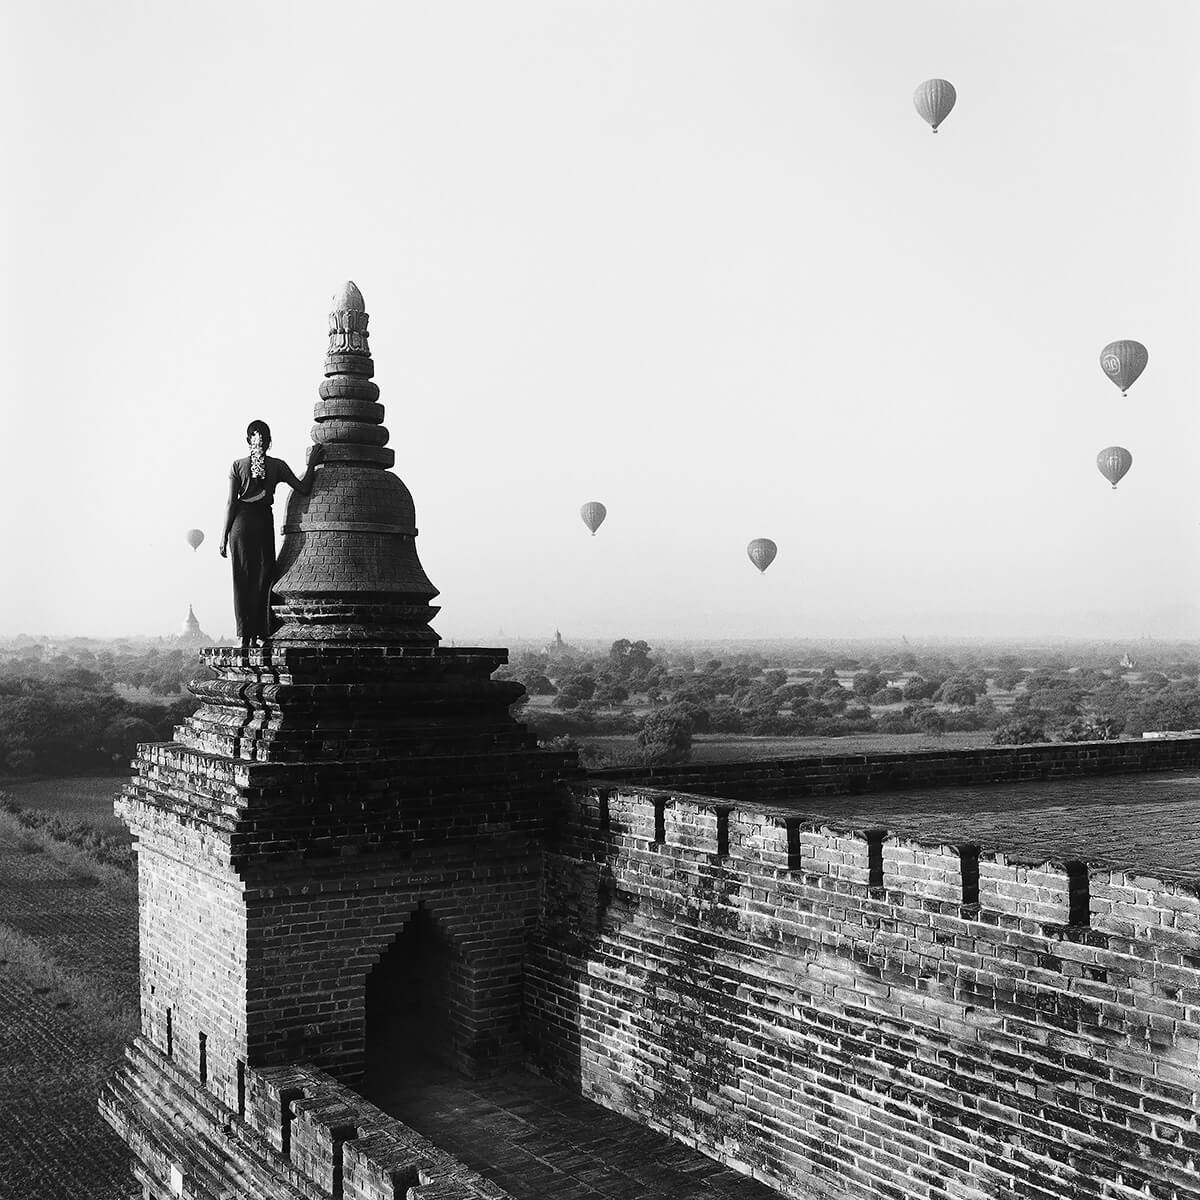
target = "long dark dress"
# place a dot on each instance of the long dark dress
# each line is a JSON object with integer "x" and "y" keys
{"x": 252, "y": 553}
{"x": 252, "y": 543}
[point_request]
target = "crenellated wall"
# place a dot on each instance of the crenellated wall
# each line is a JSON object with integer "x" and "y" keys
{"x": 848, "y": 1013}
{"x": 842, "y": 774}
{"x": 296, "y": 1134}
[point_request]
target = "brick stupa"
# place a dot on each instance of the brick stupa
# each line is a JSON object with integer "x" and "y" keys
{"x": 328, "y": 787}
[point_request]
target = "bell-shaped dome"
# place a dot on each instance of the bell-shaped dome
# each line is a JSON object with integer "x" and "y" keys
{"x": 348, "y": 568}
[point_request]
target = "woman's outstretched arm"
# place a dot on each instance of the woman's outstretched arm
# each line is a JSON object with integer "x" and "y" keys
{"x": 230, "y": 510}
{"x": 316, "y": 454}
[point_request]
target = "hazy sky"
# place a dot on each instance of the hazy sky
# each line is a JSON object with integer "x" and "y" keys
{"x": 699, "y": 260}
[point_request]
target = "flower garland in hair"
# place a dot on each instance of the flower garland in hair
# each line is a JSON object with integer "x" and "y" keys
{"x": 258, "y": 456}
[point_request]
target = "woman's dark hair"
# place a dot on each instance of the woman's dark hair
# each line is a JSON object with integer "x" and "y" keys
{"x": 259, "y": 427}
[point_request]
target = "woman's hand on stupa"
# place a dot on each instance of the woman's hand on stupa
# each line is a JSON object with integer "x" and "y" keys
{"x": 316, "y": 454}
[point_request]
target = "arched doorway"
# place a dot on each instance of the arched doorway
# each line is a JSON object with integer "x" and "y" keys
{"x": 413, "y": 1004}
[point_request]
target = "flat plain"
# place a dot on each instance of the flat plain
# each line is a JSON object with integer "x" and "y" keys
{"x": 68, "y": 1003}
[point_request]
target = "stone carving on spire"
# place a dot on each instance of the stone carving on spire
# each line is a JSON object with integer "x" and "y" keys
{"x": 348, "y": 323}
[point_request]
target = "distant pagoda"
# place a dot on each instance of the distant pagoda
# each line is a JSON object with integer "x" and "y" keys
{"x": 191, "y": 633}
{"x": 560, "y": 649}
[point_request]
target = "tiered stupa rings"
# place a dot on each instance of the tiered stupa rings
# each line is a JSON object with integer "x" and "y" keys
{"x": 348, "y": 568}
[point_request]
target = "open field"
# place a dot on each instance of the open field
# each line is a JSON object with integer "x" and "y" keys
{"x": 68, "y": 1003}
{"x": 89, "y": 796}
{"x": 143, "y": 695}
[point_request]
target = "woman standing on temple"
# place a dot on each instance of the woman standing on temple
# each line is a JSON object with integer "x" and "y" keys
{"x": 250, "y": 529}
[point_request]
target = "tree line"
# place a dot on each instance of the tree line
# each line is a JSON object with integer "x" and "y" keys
{"x": 665, "y": 698}
{"x": 80, "y": 711}
{"x": 84, "y": 707}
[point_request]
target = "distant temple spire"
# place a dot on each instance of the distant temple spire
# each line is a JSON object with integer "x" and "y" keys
{"x": 191, "y": 631}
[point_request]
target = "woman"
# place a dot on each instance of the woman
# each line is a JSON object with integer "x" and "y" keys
{"x": 250, "y": 529}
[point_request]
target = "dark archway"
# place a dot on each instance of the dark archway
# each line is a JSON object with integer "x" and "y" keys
{"x": 414, "y": 997}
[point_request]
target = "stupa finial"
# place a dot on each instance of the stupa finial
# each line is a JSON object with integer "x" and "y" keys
{"x": 348, "y": 323}
{"x": 348, "y": 298}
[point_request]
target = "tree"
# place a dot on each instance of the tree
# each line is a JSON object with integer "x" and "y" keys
{"x": 894, "y": 722}
{"x": 701, "y": 718}
{"x": 867, "y": 683}
{"x": 629, "y": 658}
{"x": 582, "y": 687}
{"x": 956, "y": 692}
{"x": 724, "y": 718}
{"x": 1020, "y": 731}
{"x": 929, "y": 720}
{"x": 1009, "y": 679}
{"x": 123, "y": 736}
{"x": 666, "y": 735}
{"x": 609, "y": 691}
{"x": 918, "y": 688}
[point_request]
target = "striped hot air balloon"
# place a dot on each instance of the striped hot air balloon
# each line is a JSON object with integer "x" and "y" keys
{"x": 934, "y": 99}
{"x": 1114, "y": 462}
{"x": 593, "y": 514}
{"x": 762, "y": 553}
{"x": 1123, "y": 362}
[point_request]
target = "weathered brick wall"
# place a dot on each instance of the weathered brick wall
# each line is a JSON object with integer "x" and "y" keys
{"x": 840, "y": 774}
{"x": 267, "y": 898}
{"x": 192, "y": 935}
{"x": 276, "y": 970}
{"x": 824, "y": 1009}
{"x": 314, "y": 939}
{"x": 297, "y": 1134}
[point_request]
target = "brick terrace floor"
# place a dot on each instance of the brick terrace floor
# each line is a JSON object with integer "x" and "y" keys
{"x": 1147, "y": 822}
{"x": 541, "y": 1142}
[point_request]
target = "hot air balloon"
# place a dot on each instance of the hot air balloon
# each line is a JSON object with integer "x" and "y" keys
{"x": 593, "y": 514}
{"x": 762, "y": 552}
{"x": 1123, "y": 362}
{"x": 1113, "y": 463}
{"x": 934, "y": 99}
{"x": 195, "y": 537}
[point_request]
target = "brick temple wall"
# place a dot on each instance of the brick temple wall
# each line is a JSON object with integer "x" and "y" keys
{"x": 268, "y": 893}
{"x": 276, "y": 971}
{"x": 842, "y": 774}
{"x": 294, "y": 1134}
{"x": 192, "y": 935}
{"x": 854, "y": 1016}
{"x": 315, "y": 938}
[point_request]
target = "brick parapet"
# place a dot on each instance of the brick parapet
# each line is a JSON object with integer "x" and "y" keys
{"x": 298, "y": 1134}
{"x": 820, "y": 1006}
{"x": 854, "y": 774}
{"x": 1014, "y": 889}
